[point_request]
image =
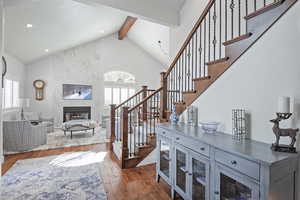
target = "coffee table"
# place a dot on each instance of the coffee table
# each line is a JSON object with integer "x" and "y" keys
{"x": 78, "y": 125}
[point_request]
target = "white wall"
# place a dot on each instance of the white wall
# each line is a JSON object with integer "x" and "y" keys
{"x": 86, "y": 64}
{"x": 269, "y": 69}
{"x": 262, "y": 74}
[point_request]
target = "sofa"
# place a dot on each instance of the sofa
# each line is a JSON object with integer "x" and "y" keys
{"x": 21, "y": 135}
{"x": 30, "y": 116}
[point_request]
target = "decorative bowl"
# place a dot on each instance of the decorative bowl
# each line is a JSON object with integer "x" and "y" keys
{"x": 209, "y": 127}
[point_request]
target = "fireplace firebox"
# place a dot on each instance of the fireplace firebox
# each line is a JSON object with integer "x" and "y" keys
{"x": 76, "y": 113}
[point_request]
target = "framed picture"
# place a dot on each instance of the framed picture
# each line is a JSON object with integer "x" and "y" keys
{"x": 77, "y": 92}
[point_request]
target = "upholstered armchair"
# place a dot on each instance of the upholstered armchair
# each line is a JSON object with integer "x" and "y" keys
{"x": 19, "y": 136}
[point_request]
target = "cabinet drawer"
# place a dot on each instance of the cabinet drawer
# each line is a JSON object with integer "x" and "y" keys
{"x": 193, "y": 144}
{"x": 245, "y": 166}
{"x": 164, "y": 133}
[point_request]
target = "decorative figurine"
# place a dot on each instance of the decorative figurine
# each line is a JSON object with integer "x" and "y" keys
{"x": 283, "y": 133}
{"x": 174, "y": 117}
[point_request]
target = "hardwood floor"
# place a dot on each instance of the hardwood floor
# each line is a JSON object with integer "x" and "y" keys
{"x": 130, "y": 184}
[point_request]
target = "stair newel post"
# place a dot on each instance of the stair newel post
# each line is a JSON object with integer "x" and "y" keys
{"x": 163, "y": 96}
{"x": 112, "y": 123}
{"x": 124, "y": 135}
{"x": 144, "y": 95}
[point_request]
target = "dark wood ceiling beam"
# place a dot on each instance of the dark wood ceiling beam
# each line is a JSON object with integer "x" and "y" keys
{"x": 129, "y": 22}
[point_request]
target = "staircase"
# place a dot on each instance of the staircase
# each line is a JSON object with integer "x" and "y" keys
{"x": 133, "y": 126}
{"x": 224, "y": 32}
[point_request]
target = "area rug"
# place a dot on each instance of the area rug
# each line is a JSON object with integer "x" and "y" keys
{"x": 57, "y": 139}
{"x": 71, "y": 176}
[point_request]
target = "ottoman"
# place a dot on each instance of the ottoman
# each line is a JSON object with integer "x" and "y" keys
{"x": 78, "y": 125}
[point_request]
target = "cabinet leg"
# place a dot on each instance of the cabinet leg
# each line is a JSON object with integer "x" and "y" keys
{"x": 157, "y": 178}
{"x": 173, "y": 194}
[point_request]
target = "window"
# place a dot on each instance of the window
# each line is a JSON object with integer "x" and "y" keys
{"x": 119, "y": 86}
{"x": 10, "y": 98}
{"x": 108, "y": 96}
{"x": 117, "y": 95}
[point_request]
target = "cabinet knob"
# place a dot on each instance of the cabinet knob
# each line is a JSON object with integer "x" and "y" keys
{"x": 190, "y": 174}
{"x": 216, "y": 192}
{"x": 164, "y": 132}
{"x": 177, "y": 138}
{"x": 233, "y": 162}
{"x": 202, "y": 149}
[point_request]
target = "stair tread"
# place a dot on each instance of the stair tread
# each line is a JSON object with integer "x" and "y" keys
{"x": 242, "y": 37}
{"x": 264, "y": 9}
{"x": 180, "y": 102}
{"x": 218, "y": 61}
{"x": 189, "y": 92}
{"x": 133, "y": 157}
{"x": 144, "y": 146}
{"x": 202, "y": 78}
{"x": 151, "y": 136}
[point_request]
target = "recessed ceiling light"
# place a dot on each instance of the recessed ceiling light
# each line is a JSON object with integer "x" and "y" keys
{"x": 29, "y": 26}
{"x": 47, "y": 50}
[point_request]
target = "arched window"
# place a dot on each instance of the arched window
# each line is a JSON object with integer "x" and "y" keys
{"x": 119, "y": 77}
{"x": 118, "y": 86}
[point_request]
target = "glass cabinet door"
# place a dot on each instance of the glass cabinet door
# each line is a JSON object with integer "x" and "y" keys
{"x": 181, "y": 171}
{"x": 199, "y": 177}
{"x": 231, "y": 185}
{"x": 164, "y": 157}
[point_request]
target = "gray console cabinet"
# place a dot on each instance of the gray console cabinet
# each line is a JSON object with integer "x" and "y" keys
{"x": 199, "y": 166}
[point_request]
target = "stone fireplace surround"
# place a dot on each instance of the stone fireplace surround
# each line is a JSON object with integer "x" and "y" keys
{"x": 76, "y": 112}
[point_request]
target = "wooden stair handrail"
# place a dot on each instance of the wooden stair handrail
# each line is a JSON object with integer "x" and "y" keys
{"x": 136, "y": 94}
{"x": 145, "y": 100}
{"x": 190, "y": 36}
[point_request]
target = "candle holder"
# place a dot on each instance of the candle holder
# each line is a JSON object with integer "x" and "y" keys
{"x": 192, "y": 113}
{"x": 284, "y": 115}
{"x": 279, "y": 132}
{"x": 239, "y": 131}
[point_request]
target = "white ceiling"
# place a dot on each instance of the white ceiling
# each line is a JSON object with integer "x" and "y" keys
{"x": 159, "y": 11}
{"x": 147, "y": 34}
{"x": 57, "y": 25}
{"x": 62, "y": 24}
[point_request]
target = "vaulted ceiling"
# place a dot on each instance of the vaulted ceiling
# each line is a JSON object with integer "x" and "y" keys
{"x": 61, "y": 24}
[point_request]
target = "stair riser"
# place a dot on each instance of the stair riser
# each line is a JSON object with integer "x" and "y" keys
{"x": 180, "y": 109}
{"x": 218, "y": 69}
{"x": 264, "y": 10}
{"x": 189, "y": 98}
{"x": 201, "y": 86}
{"x": 145, "y": 151}
{"x": 142, "y": 154}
